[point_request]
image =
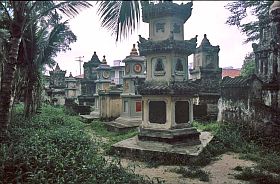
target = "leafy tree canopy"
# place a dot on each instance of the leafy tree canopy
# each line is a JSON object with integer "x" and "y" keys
{"x": 241, "y": 9}
{"x": 248, "y": 67}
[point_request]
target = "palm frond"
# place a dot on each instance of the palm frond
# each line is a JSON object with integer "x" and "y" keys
{"x": 121, "y": 18}
{"x": 4, "y": 9}
{"x": 69, "y": 8}
{"x": 57, "y": 40}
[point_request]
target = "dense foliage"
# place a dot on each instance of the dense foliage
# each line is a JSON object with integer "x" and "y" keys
{"x": 239, "y": 12}
{"x": 33, "y": 33}
{"x": 248, "y": 67}
{"x": 53, "y": 148}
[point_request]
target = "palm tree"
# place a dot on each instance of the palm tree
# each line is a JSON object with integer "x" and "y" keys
{"x": 20, "y": 16}
{"x": 120, "y": 17}
{"x": 49, "y": 41}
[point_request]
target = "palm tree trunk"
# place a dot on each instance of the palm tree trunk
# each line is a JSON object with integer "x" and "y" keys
{"x": 6, "y": 92}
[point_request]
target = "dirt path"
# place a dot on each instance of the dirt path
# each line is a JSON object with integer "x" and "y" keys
{"x": 220, "y": 171}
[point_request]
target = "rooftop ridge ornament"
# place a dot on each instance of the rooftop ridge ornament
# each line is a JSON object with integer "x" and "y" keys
{"x": 104, "y": 60}
{"x": 134, "y": 51}
{"x": 205, "y": 41}
{"x": 57, "y": 68}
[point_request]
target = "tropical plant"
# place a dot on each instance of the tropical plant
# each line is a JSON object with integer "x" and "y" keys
{"x": 120, "y": 17}
{"x": 21, "y": 18}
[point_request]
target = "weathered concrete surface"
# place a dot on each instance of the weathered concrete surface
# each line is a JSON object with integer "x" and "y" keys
{"x": 89, "y": 118}
{"x": 134, "y": 148}
{"x": 123, "y": 124}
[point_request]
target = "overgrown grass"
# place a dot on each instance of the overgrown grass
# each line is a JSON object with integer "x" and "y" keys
{"x": 53, "y": 148}
{"x": 192, "y": 172}
{"x": 239, "y": 139}
{"x": 99, "y": 129}
{"x": 260, "y": 176}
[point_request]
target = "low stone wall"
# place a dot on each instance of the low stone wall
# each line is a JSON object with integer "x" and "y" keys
{"x": 260, "y": 118}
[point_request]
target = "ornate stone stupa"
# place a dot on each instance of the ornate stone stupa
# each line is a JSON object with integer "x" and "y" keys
{"x": 71, "y": 87}
{"x": 57, "y": 86}
{"x": 131, "y": 114}
{"x": 167, "y": 94}
{"x": 102, "y": 84}
{"x": 207, "y": 74}
{"x": 87, "y": 83}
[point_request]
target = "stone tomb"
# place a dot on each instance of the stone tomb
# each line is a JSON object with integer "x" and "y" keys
{"x": 56, "y": 90}
{"x": 88, "y": 82}
{"x": 71, "y": 87}
{"x": 167, "y": 94}
{"x": 207, "y": 74}
{"x": 102, "y": 83}
{"x": 131, "y": 115}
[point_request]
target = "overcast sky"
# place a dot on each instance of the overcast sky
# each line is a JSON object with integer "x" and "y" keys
{"x": 208, "y": 17}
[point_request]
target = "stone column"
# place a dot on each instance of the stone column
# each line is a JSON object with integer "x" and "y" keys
{"x": 190, "y": 110}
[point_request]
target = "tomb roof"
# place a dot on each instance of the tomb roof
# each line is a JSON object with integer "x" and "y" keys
{"x": 177, "y": 46}
{"x": 134, "y": 56}
{"x": 239, "y": 81}
{"x": 94, "y": 61}
{"x": 205, "y": 45}
{"x": 166, "y": 8}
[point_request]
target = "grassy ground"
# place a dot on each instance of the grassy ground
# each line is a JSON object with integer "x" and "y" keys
{"x": 239, "y": 139}
{"x": 228, "y": 138}
{"x": 52, "y": 147}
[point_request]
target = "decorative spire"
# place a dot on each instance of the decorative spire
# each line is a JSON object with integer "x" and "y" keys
{"x": 104, "y": 60}
{"x": 94, "y": 58}
{"x": 134, "y": 51}
{"x": 205, "y": 41}
{"x": 57, "y": 68}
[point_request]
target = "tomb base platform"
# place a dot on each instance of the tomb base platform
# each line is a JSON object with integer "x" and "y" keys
{"x": 89, "y": 118}
{"x": 134, "y": 148}
{"x": 188, "y": 135}
{"x": 123, "y": 124}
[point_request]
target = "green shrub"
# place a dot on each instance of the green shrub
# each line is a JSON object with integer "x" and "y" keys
{"x": 257, "y": 176}
{"x": 53, "y": 148}
{"x": 192, "y": 172}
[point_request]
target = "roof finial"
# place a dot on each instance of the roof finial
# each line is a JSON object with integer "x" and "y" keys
{"x": 205, "y": 41}
{"x": 104, "y": 60}
{"x": 57, "y": 68}
{"x": 134, "y": 51}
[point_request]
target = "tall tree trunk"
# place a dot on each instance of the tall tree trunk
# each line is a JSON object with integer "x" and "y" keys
{"x": 6, "y": 92}
{"x": 28, "y": 99}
